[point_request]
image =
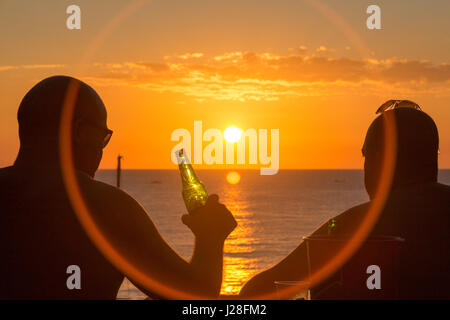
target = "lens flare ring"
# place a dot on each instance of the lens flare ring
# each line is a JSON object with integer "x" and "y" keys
{"x": 119, "y": 260}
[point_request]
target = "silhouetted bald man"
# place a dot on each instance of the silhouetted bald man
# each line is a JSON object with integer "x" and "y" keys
{"x": 40, "y": 235}
{"x": 417, "y": 210}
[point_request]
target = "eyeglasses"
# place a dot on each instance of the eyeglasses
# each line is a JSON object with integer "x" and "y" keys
{"x": 107, "y": 137}
{"x": 107, "y": 133}
{"x": 396, "y": 104}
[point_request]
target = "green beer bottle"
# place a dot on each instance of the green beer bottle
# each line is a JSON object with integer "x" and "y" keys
{"x": 193, "y": 191}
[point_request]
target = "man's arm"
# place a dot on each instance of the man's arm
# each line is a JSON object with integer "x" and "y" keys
{"x": 210, "y": 231}
{"x": 293, "y": 267}
{"x": 126, "y": 224}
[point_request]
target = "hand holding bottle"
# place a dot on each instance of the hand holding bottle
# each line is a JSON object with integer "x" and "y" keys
{"x": 211, "y": 222}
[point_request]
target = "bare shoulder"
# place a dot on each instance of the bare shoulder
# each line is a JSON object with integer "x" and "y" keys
{"x": 354, "y": 212}
{"x": 104, "y": 196}
{"x": 5, "y": 172}
{"x": 348, "y": 221}
{"x": 444, "y": 187}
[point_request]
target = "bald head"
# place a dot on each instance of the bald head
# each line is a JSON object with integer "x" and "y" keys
{"x": 40, "y": 110}
{"x": 39, "y": 119}
{"x": 417, "y": 148}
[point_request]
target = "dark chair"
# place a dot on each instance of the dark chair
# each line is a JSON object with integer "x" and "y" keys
{"x": 350, "y": 281}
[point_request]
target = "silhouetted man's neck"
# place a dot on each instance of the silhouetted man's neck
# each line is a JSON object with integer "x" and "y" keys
{"x": 407, "y": 175}
{"x": 410, "y": 171}
{"x": 39, "y": 157}
{"x": 403, "y": 179}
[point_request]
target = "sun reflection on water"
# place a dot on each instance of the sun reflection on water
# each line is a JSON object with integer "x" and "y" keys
{"x": 238, "y": 250}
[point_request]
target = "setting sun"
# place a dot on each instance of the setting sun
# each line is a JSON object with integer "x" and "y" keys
{"x": 232, "y": 134}
{"x": 233, "y": 177}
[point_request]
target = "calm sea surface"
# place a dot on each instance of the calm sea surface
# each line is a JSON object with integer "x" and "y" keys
{"x": 273, "y": 212}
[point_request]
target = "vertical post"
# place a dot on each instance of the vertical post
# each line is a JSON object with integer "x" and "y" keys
{"x": 119, "y": 170}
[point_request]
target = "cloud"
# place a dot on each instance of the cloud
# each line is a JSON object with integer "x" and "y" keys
{"x": 267, "y": 76}
{"x": 43, "y": 66}
{"x": 153, "y": 66}
{"x": 324, "y": 50}
{"x": 186, "y": 56}
{"x": 32, "y": 66}
{"x": 229, "y": 56}
{"x": 302, "y": 49}
{"x": 3, "y": 68}
{"x": 393, "y": 70}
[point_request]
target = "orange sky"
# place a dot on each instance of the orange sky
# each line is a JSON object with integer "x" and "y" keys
{"x": 308, "y": 68}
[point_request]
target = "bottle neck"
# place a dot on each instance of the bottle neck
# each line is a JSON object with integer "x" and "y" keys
{"x": 187, "y": 173}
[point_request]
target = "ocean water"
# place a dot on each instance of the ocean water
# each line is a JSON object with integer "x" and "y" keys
{"x": 273, "y": 212}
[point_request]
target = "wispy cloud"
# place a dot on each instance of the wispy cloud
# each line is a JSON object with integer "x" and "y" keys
{"x": 267, "y": 76}
{"x": 323, "y": 49}
{"x": 32, "y": 66}
{"x": 3, "y": 68}
{"x": 42, "y": 66}
{"x": 186, "y": 56}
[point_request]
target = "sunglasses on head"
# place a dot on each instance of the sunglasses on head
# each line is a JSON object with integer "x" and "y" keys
{"x": 396, "y": 104}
